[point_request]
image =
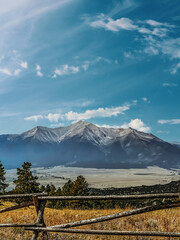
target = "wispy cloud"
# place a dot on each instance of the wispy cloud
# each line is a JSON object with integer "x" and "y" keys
{"x": 145, "y": 99}
{"x": 56, "y": 125}
{"x": 34, "y": 118}
{"x": 24, "y": 65}
{"x": 95, "y": 113}
{"x": 170, "y": 121}
{"x": 153, "y": 35}
{"x": 66, "y": 70}
{"x": 88, "y": 114}
{"x": 175, "y": 68}
{"x": 150, "y": 27}
{"x": 54, "y": 117}
{"x": 17, "y": 72}
{"x": 5, "y": 71}
{"x": 169, "y": 84}
{"x": 137, "y": 124}
{"x": 20, "y": 11}
{"x": 11, "y": 65}
{"x": 128, "y": 54}
{"x": 156, "y": 23}
{"x": 108, "y": 23}
{"x": 38, "y": 71}
{"x": 108, "y": 126}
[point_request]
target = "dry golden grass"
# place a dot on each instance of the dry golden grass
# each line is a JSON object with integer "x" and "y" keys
{"x": 163, "y": 220}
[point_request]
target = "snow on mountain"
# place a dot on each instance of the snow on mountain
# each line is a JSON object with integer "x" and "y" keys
{"x": 87, "y": 145}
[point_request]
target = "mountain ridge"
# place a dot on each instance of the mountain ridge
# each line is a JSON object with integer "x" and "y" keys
{"x": 84, "y": 144}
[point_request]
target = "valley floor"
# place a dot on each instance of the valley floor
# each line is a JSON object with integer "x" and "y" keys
{"x": 102, "y": 178}
{"x": 163, "y": 220}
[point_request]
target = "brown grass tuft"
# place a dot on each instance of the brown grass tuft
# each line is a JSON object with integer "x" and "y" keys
{"x": 163, "y": 220}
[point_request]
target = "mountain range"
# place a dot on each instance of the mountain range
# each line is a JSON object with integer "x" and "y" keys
{"x": 84, "y": 144}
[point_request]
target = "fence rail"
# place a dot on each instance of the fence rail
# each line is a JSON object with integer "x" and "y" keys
{"x": 39, "y": 201}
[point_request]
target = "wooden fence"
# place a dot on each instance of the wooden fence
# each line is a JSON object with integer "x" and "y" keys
{"x": 39, "y": 201}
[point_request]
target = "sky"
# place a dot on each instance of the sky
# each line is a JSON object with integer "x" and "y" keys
{"x": 114, "y": 63}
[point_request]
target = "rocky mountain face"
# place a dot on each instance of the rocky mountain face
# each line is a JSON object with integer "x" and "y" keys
{"x": 84, "y": 144}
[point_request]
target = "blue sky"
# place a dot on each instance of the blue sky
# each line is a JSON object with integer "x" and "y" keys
{"x": 109, "y": 62}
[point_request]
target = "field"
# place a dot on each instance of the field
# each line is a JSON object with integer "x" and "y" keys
{"x": 101, "y": 178}
{"x": 163, "y": 220}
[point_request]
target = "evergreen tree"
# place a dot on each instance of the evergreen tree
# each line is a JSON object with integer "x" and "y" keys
{"x": 26, "y": 182}
{"x": 3, "y": 184}
{"x": 67, "y": 188}
{"x": 80, "y": 187}
{"x": 42, "y": 188}
{"x": 48, "y": 188}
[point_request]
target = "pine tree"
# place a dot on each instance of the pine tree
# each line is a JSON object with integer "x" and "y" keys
{"x": 26, "y": 182}
{"x": 48, "y": 188}
{"x": 3, "y": 184}
{"x": 42, "y": 188}
{"x": 80, "y": 187}
{"x": 67, "y": 188}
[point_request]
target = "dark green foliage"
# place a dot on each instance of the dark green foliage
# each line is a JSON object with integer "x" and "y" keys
{"x": 3, "y": 184}
{"x": 47, "y": 188}
{"x": 67, "y": 188}
{"x": 25, "y": 182}
{"x": 79, "y": 187}
{"x": 42, "y": 189}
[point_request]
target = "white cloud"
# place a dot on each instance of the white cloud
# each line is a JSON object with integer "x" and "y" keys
{"x": 171, "y": 121}
{"x": 57, "y": 125}
{"x": 54, "y": 76}
{"x": 54, "y": 117}
{"x": 169, "y": 84}
{"x": 24, "y": 65}
{"x": 144, "y": 30}
{"x": 160, "y": 131}
{"x": 5, "y": 71}
{"x": 170, "y": 47}
{"x": 39, "y": 74}
{"x": 85, "y": 66}
{"x": 38, "y": 69}
{"x": 175, "y": 68}
{"x": 137, "y": 124}
{"x": 144, "y": 99}
{"x": 150, "y": 50}
{"x": 155, "y": 23}
{"x": 17, "y": 72}
{"x": 152, "y": 27}
{"x": 154, "y": 35}
{"x": 34, "y": 118}
{"x": 128, "y": 54}
{"x": 108, "y": 23}
{"x": 88, "y": 114}
{"x": 100, "y": 112}
{"x": 66, "y": 70}
{"x": 108, "y": 126}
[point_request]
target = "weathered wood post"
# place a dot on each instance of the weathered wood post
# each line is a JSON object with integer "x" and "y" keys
{"x": 40, "y": 207}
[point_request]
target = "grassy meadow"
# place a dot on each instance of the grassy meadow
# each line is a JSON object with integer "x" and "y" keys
{"x": 163, "y": 220}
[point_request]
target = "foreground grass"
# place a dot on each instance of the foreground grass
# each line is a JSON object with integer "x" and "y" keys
{"x": 163, "y": 220}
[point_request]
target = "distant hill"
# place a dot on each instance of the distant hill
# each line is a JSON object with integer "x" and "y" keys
{"x": 84, "y": 144}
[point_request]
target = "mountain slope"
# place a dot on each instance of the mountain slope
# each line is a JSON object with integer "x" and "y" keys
{"x": 84, "y": 144}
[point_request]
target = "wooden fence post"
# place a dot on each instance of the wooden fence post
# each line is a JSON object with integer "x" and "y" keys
{"x": 40, "y": 207}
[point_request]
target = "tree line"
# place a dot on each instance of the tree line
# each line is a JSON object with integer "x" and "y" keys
{"x": 26, "y": 182}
